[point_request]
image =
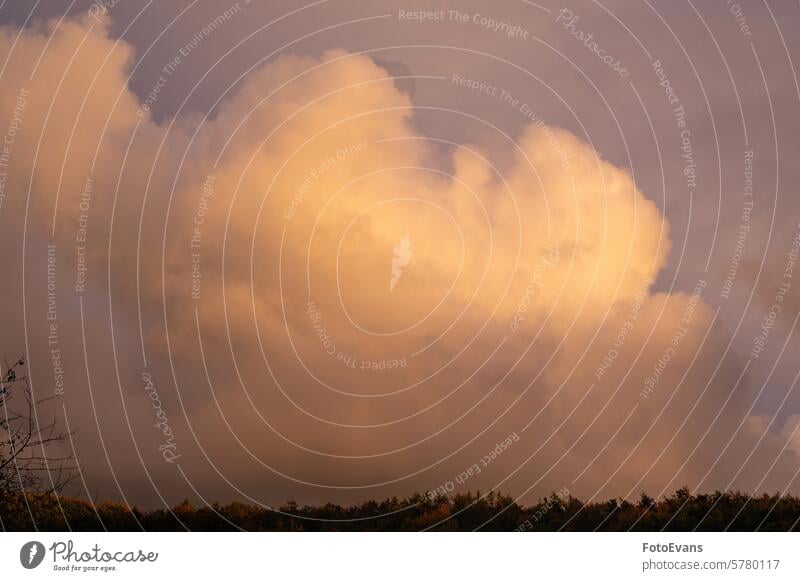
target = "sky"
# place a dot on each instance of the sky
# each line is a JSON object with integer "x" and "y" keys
{"x": 347, "y": 250}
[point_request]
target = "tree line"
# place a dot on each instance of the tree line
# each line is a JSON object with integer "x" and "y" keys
{"x": 681, "y": 511}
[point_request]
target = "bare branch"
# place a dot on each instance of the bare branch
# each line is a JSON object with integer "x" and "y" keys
{"x": 25, "y": 465}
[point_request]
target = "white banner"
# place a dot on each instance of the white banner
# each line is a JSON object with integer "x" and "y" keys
{"x": 401, "y": 556}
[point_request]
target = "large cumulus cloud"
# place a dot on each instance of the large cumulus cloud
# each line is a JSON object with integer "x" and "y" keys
{"x": 243, "y": 258}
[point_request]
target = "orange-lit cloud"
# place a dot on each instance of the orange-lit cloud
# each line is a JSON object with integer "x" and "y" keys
{"x": 256, "y": 247}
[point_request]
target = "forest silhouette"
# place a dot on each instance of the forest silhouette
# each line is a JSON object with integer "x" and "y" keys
{"x": 682, "y": 511}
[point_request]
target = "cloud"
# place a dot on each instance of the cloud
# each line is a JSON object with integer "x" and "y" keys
{"x": 243, "y": 260}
